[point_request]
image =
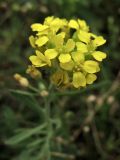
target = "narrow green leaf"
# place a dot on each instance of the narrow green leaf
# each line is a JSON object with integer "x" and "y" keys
{"x": 27, "y": 133}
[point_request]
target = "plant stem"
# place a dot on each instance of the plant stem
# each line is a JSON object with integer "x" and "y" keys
{"x": 49, "y": 125}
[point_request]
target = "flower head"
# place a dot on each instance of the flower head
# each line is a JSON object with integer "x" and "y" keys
{"x": 68, "y": 49}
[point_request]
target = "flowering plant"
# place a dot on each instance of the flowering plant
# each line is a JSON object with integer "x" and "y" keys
{"x": 67, "y": 50}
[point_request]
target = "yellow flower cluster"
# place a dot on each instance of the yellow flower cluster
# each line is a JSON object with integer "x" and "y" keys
{"x": 68, "y": 49}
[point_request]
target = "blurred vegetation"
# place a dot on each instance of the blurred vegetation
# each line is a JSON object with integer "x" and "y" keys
{"x": 90, "y": 126}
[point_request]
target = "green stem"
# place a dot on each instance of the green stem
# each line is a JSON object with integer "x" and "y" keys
{"x": 33, "y": 89}
{"x": 49, "y": 126}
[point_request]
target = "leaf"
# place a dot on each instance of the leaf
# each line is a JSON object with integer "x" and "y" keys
{"x": 27, "y": 133}
{"x": 22, "y": 92}
{"x": 29, "y": 100}
{"x": 35, "y": 142}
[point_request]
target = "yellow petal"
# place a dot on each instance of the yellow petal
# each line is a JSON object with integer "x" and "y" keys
{"x": 36, "y": 61}
{"x": 64, "y": 58}
{"x": 51, "y": 53}
{"x": 70, "y": 45}
{"x": 98, "y": 55}
{"x": 38, "y": 27}
{"x": 81, "y": 47}
{"x": 98, "y": 41}
{"x": 48, "y": 20}
{"x": 43, "y": 58}
{"x": 67, "y": 66}
{"x": 83, "y": 25}
{"x": 91, "y": 66}
{"x": 90, "y": 78}
{"x": 84, "y": 36}
{"x": 57, "y": 23}
{"x": 78, "y": 80}
{"x": 42, "y": 33}
{"x": 58, "y": 39}
{"x": 73, "y": 24}
{"x": 41, "y": 41}
{"x": 32, "y": 41}
{"x": 40, "y": 55}
{"x": 78, "y": 57}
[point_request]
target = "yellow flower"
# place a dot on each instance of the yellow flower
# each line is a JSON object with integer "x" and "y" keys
{"x": 57, "y": 40}
{"x": 69, "y": 50}
{"x": 68, "y": 47}
{"x": 41, "y": 60}
{"x": 60, "y": 77}
{"x": 78, "y": 25}
{"x": 55, "y": 24}
{"x": 79, "y": 80}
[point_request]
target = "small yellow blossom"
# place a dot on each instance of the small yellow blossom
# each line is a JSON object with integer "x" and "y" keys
{"x": 79, "y": 80}
{"x": 78, "y": 25}
{"x": 60, "y": 78}
{"x": 41, "y": 60}
{"x": 69, "y": 49}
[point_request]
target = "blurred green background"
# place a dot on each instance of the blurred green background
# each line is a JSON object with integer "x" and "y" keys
{"x": 99, "y": 139}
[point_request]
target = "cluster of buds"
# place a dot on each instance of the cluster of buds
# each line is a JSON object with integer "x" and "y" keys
{"x": 67, "y": 49}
